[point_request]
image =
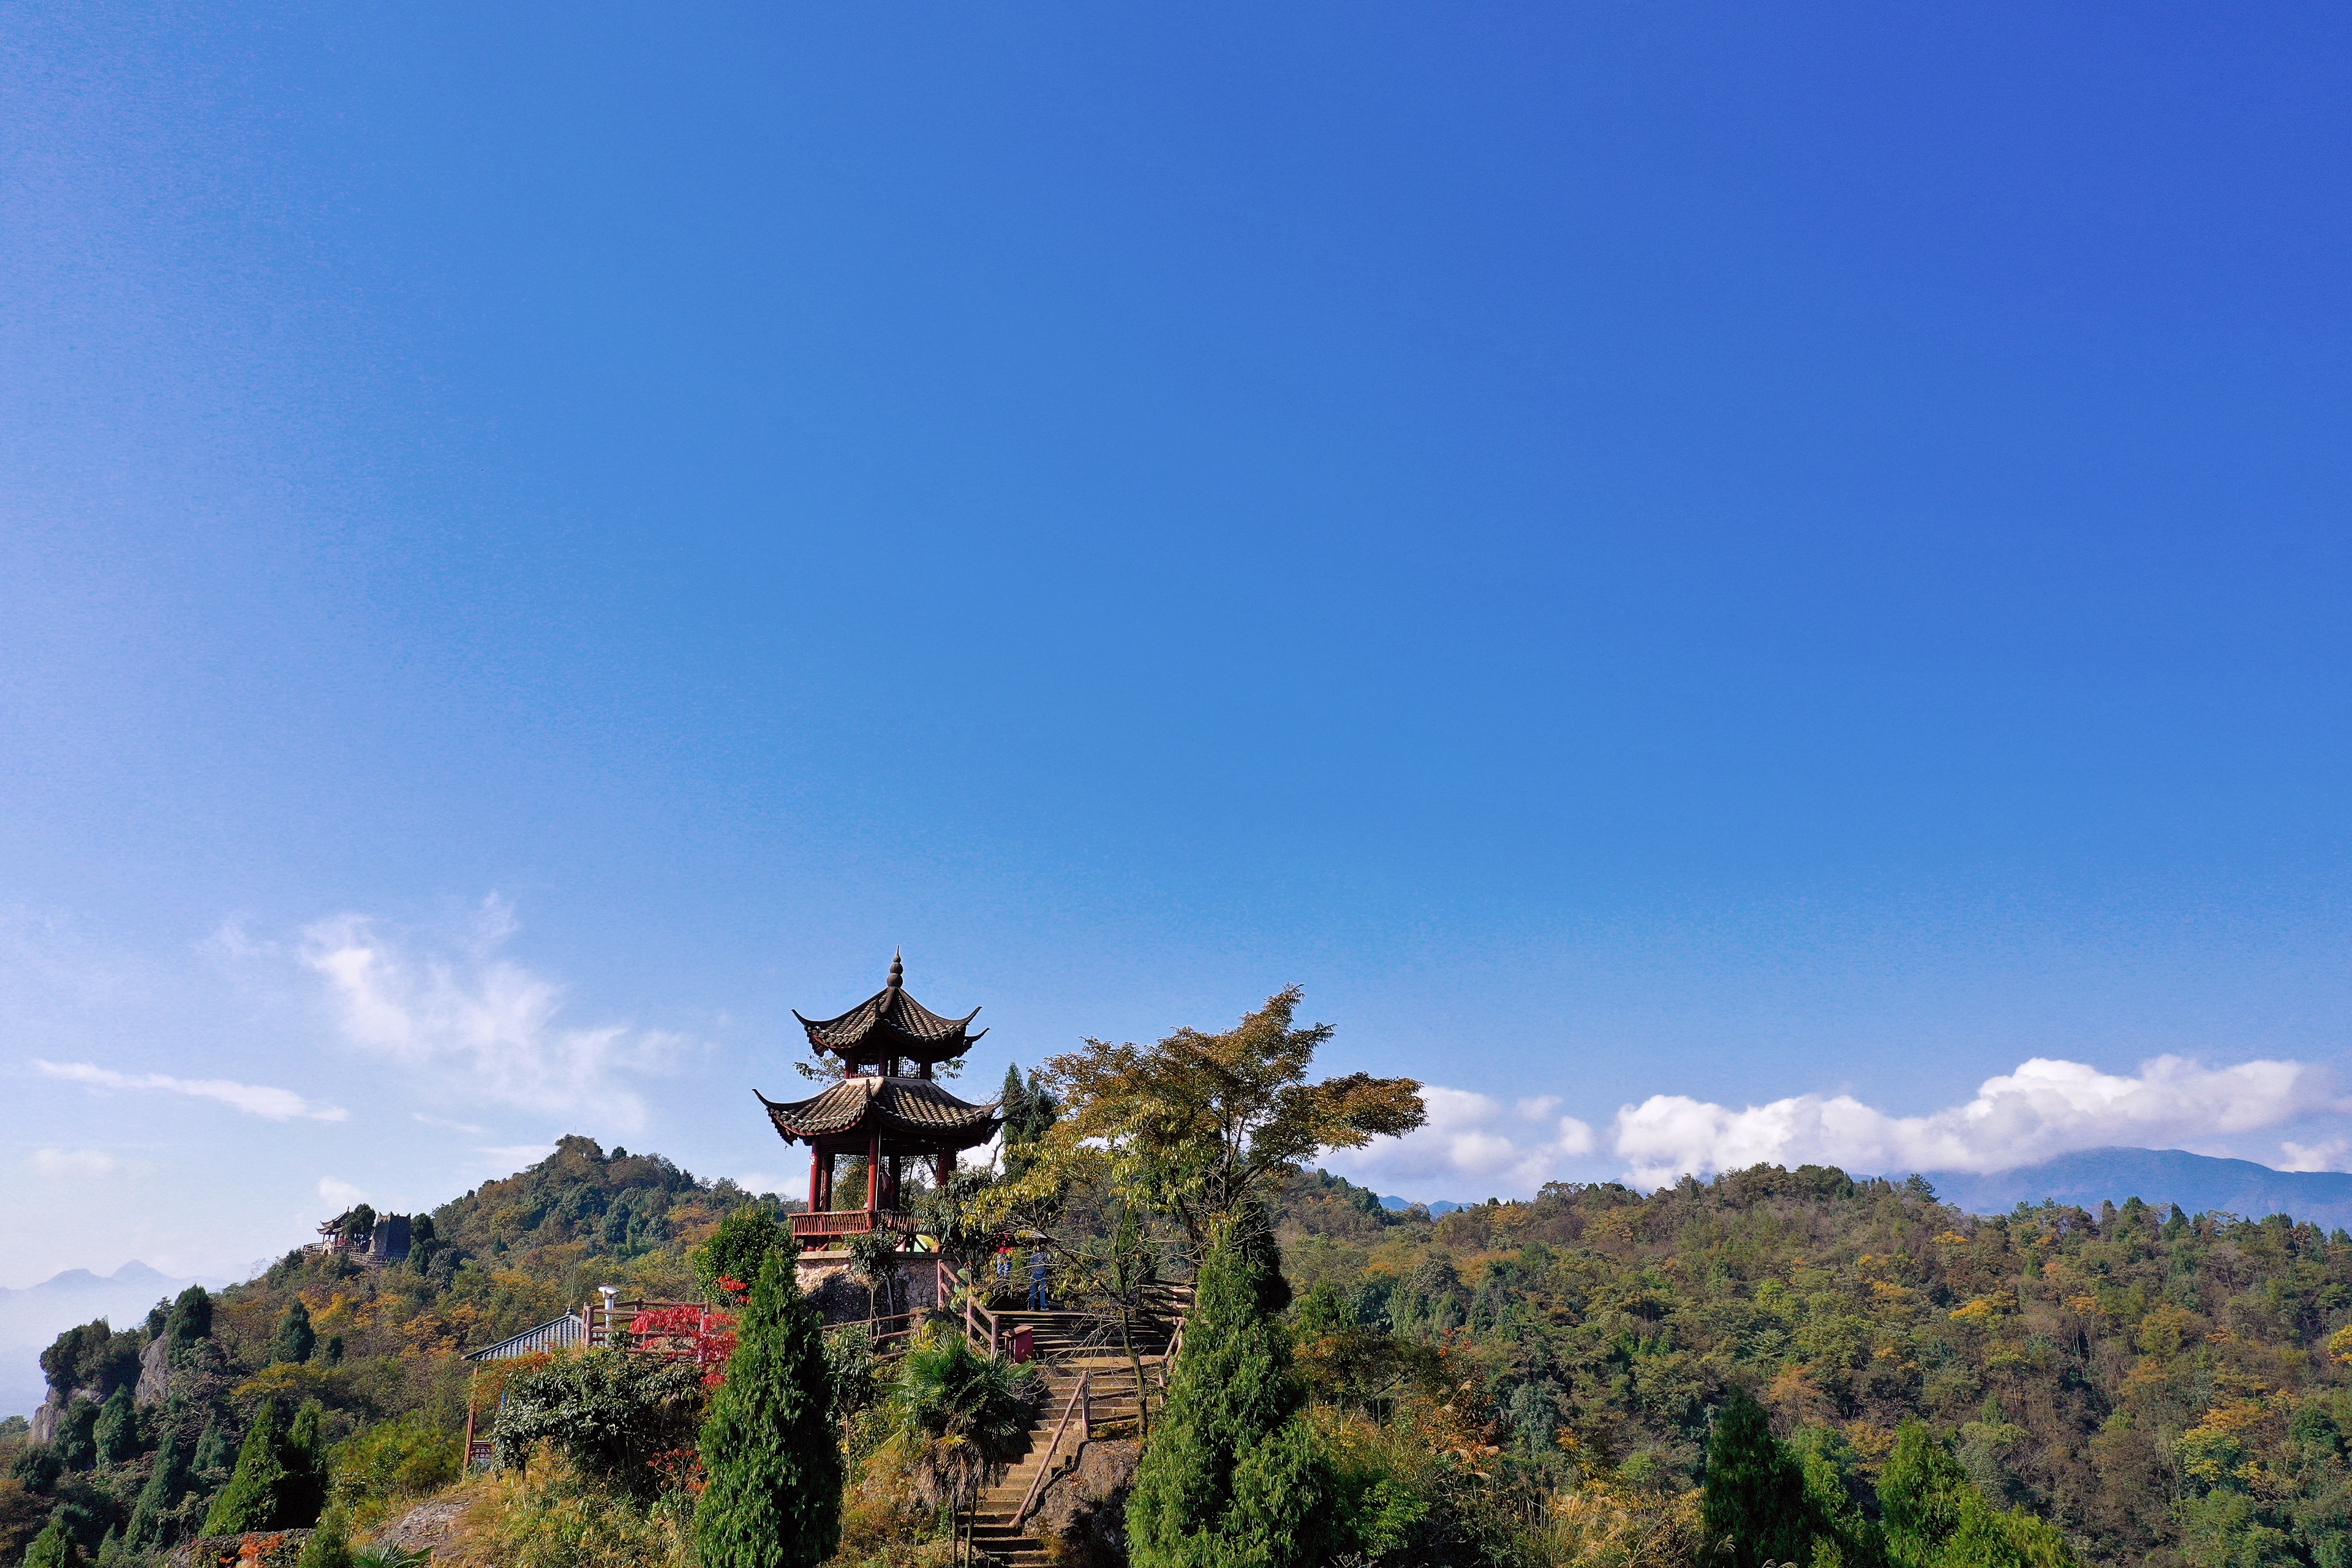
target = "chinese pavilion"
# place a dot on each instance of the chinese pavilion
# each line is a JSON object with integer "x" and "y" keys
{"x": 885, "y": 1108}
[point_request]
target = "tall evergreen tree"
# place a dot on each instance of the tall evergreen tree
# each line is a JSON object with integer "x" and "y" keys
{"x": 115, "y": 1434}
{"x": 166, "y": 1485}
{"x": 773, "y": 1497}
{"x": 254, "y": 1496}
{"x": 53, "y": 1548}
{"x": 216, "y": 1448}
{"x": 304, "y": 1494}
{"x": 1754, "y": 1510}
{"x": 295, "y": 1338}
{"x": 1022, "y": 1124}
{"x": 190, "y": 1318}
{"x": 1232, "y": 1474}
{"x": 77, "y": 1437}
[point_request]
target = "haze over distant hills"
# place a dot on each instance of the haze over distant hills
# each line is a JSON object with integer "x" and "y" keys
{"x": 32, "y": 1317}
{"x": 2195, "y": 1182}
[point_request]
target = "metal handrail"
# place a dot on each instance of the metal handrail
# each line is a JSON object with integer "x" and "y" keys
{"x": 1079, "y": 1401}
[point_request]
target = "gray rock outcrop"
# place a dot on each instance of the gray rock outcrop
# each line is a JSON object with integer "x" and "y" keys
{"x": 154, "y": 1374}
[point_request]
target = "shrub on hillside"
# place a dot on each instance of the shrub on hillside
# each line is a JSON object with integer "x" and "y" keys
{"x": 611, "y": 1413}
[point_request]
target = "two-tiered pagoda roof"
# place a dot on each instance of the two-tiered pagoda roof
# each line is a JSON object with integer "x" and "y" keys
{"x": 887, "y": 1030}
{"x": 876, "y": 1113}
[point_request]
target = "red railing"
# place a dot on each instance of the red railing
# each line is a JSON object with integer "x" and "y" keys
{"x": 853, "y": 1222}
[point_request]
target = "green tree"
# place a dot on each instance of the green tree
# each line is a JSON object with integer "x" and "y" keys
{"x": 1029, "y": 1110}
{"x": 190, "y": 1318}
{"x": 1233, "y": 1475}
{"x": 873, "y": 1258}
{"x": 774, "y": 1495}
{"x": 735, "y": 1251}
{"x": 1988, "y": 1537}
{"x": 1919, "y": 1494}
{"x": 307, "y": 1469}
{"x": 53, "y": 1548}
{"x": 330, "y": 1545}
{"x": 255, "y": 1497}
{"x": 115, "y": 1434}
{"x": 77, "y": 1439}
{"x": 216, "y": 1448}
{"x": 295, "y": 1338}
{"x": 166, "y": 1485}
{"x": 1836, "y": 1516}
{"x": 1755, "y": 1510}
{"x": 1202, "y": 1124}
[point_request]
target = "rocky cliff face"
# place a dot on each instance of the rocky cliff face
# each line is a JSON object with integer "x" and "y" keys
{"x": 154, "y": 1374}
{"x": 1082, "y": 1515}
{"x": 46, "y": 1419}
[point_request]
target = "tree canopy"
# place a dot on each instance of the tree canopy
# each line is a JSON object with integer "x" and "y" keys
{"x": 1199, "y": 1124}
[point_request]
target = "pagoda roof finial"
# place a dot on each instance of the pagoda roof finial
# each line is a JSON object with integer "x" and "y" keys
{"x": 898, "y": 970}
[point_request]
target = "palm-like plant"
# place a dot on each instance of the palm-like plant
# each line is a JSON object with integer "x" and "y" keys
{"x": 964, "y": 1414}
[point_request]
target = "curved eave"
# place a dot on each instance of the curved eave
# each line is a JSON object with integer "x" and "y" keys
{"x": 867, "y": 1113}
{"x": 876, "y": 1036}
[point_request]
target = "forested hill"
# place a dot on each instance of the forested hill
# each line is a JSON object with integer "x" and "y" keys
{"x": 2164, "y": 1388}
{"x": 375, "y": 1346}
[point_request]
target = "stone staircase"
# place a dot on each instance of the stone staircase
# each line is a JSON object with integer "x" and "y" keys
{"x": 1067, "y": 1352}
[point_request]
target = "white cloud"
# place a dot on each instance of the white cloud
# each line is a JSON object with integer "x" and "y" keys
{"x": 466, "y": 1126}
{"x": 340, "y": 1194}
{"x": 79, "y": 1163}
{"x": 511, "y": 1157}
{"x": 254, "y": 1100}
{"x": 1471, "y": 1139}
{"x": 2044, "y": 1108}
{"x": 482, "y": 1020}
{"x": 768, "y": 1181}
{"x": 2327, "y": 1155}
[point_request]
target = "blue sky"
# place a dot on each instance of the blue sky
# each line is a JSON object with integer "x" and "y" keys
{"x": 1712, "y": 585}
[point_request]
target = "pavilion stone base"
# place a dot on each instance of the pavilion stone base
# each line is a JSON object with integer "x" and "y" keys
{"x": 827, "y": 1279}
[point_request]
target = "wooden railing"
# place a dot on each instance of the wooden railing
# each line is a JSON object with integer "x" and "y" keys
{"x": 853, "y": 1222}
{"x": 1168, "y": 1359}
{"x": 1082, "y": 1407}
{"x": 980, "y": 1324}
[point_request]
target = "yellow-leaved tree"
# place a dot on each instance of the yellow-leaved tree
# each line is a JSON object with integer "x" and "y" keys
{"x": 1198, "y": 1125}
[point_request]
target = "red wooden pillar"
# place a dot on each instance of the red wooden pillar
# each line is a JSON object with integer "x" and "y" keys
{"x": 943, "y": 1168}
{"x": 816, "y": 1180}
{"x": 872, "y": 1176}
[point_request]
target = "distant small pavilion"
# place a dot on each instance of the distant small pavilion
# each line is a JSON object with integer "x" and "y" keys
{"x": 880, "y": 1110}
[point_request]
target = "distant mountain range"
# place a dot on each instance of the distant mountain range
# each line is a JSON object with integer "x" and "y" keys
{"x": 1398, "y": 1206}
{"x": 2196, "y": 1182}
{"x": 32, "y": 1317}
